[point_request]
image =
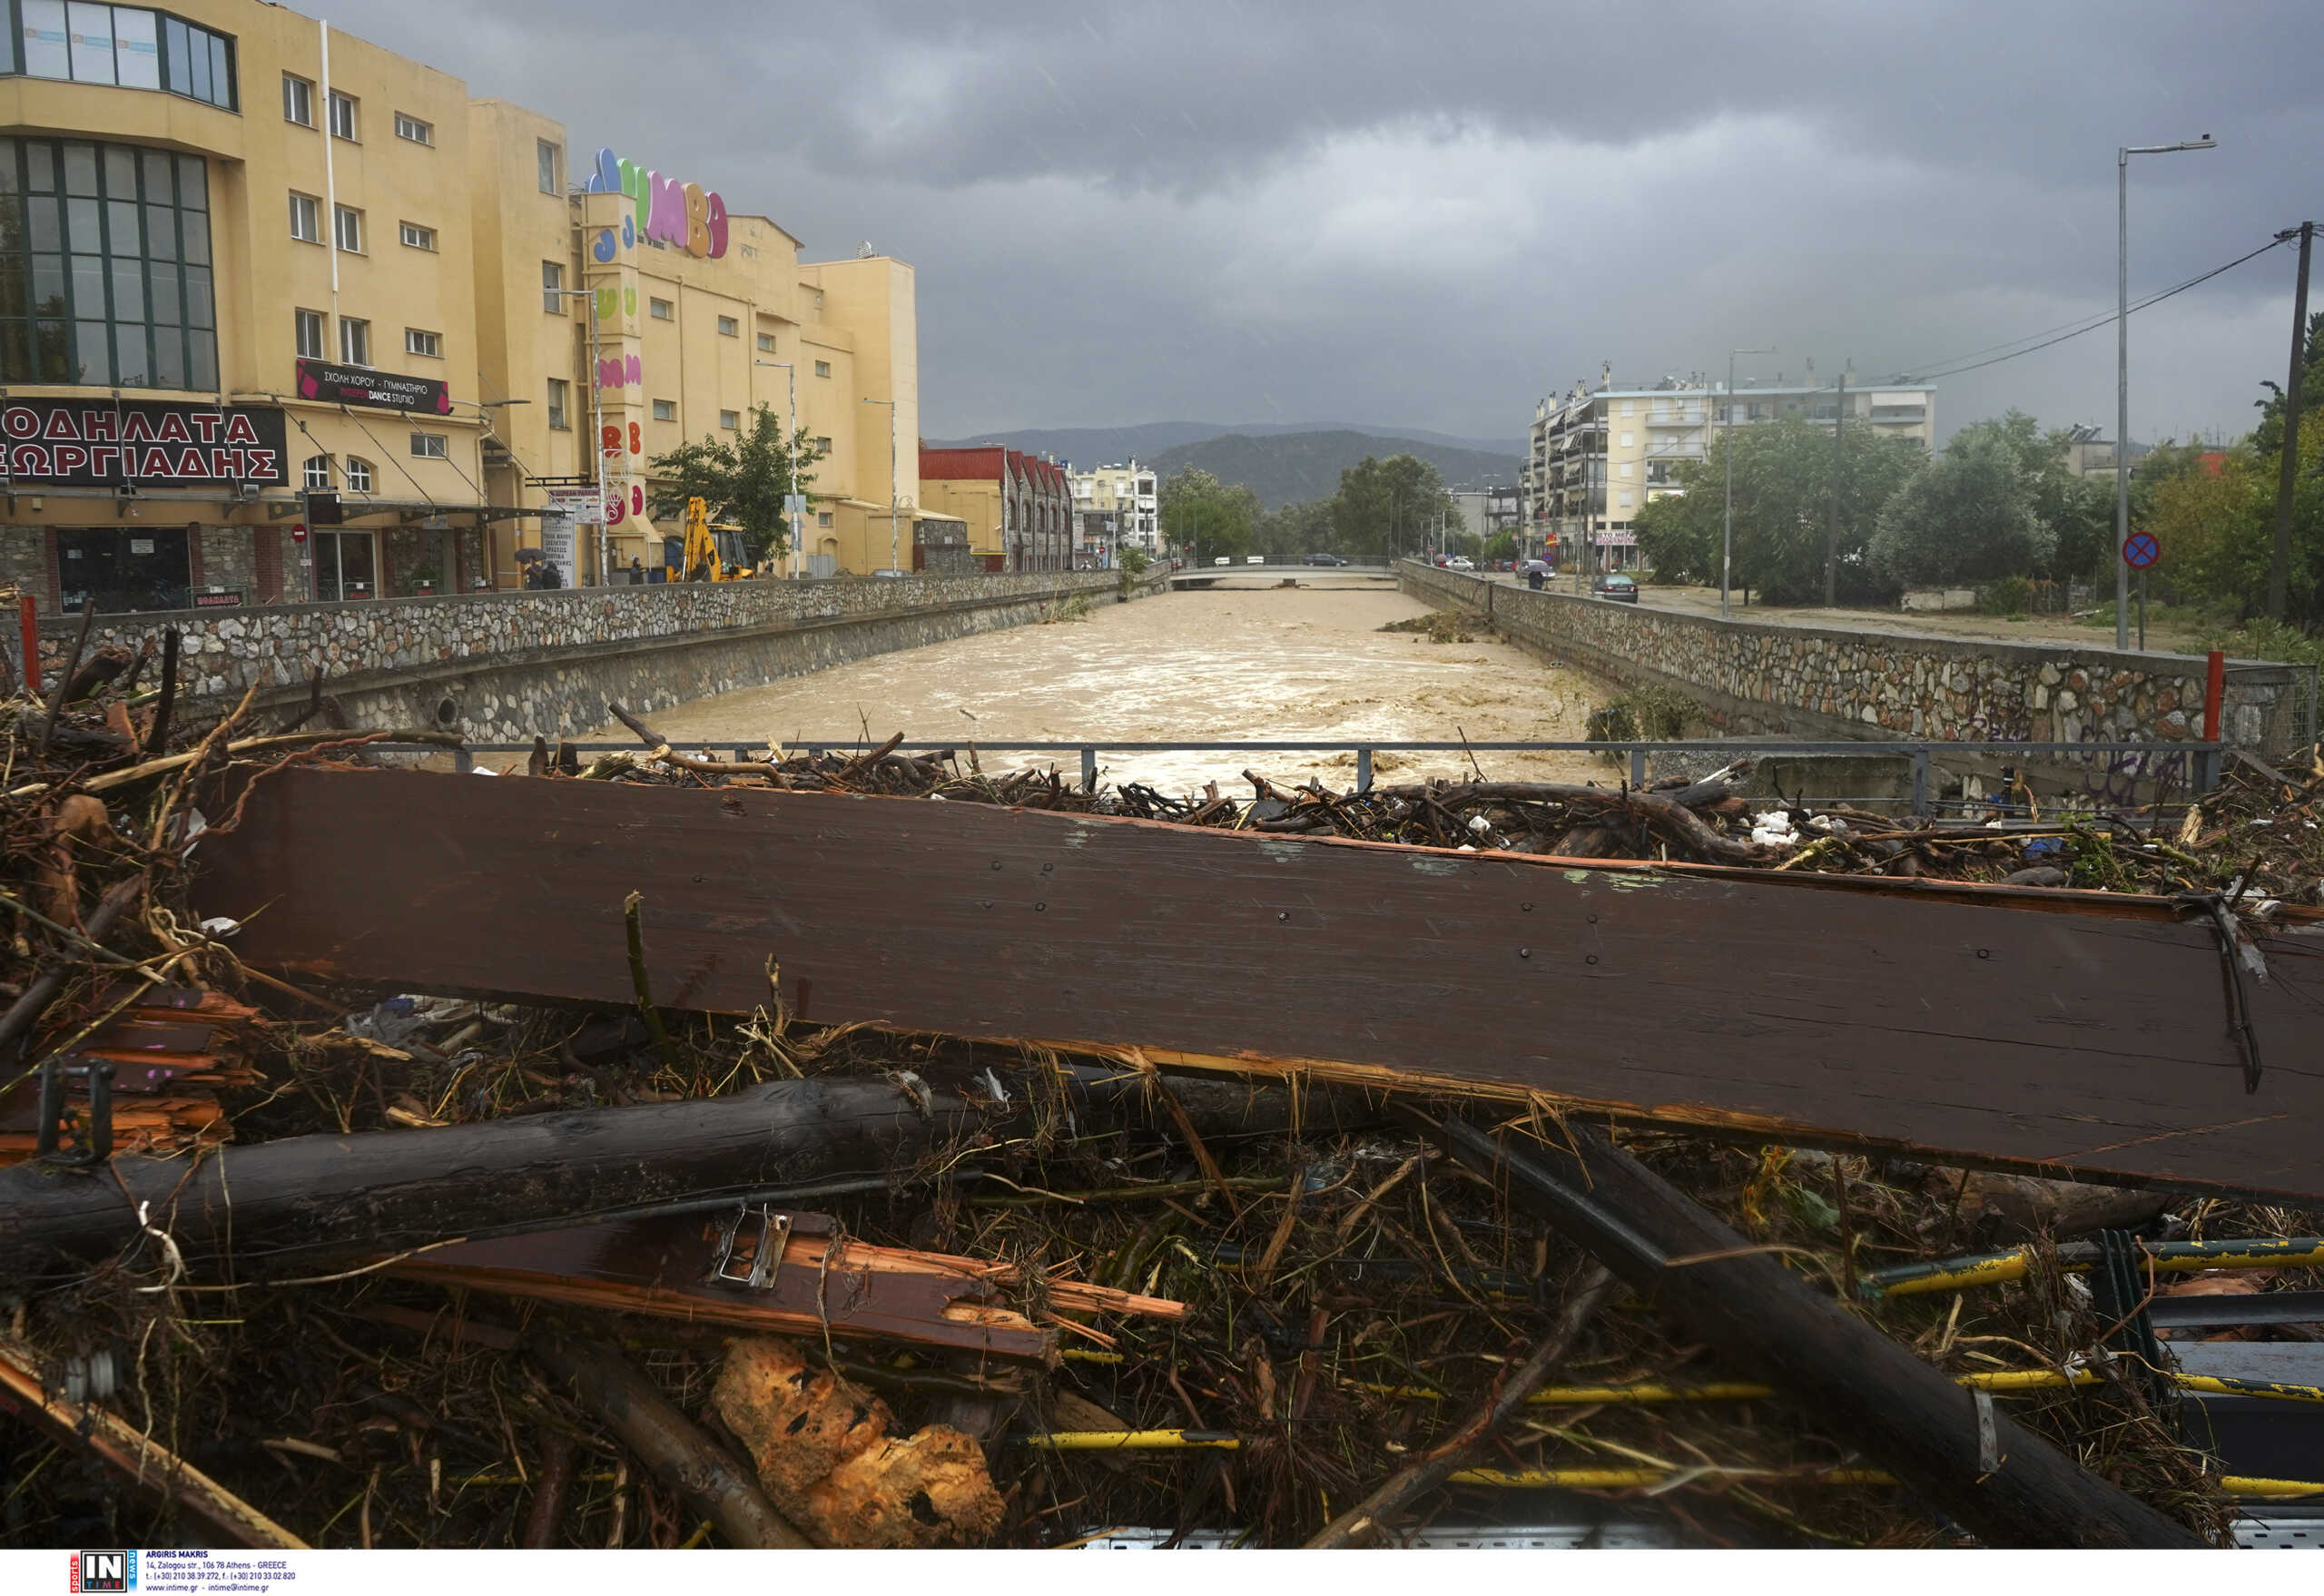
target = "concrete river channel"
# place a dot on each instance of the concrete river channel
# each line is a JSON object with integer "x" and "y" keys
{"x": 1266, "y": 664}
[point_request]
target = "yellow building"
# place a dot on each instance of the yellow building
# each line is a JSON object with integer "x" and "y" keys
{"x": 246, "y": 259}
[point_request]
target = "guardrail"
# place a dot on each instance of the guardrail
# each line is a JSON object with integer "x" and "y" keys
{"x": 2161, "y": 761}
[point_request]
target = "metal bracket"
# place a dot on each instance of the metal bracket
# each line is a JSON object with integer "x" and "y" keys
{"x": 91, "y": 1140}
{"x": 766, "y": 1256}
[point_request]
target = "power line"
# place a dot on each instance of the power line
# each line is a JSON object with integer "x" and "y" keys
{"x": 2075, "y": 329}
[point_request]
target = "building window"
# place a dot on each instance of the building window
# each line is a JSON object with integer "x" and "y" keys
{"x": 347, "y": 223}
{"x": 731, "y": 420}
{"x": 412, "y": 128}
{"x": 416, "y": 236}
{"x": 115, "y": 288}
{"x": 823, "y": 367}
{"x": 766, "y": 343}
{"x": 553, "y": 288}
{"x": 308, "y": 325}
{"x": 551, "y": 159}
{"x": 354, "y": 341}
{"x": 129, "y": 47}
{"x": 428, "y": 345}
{"x": 306, "y": 218}
{"x": 823, "y": 517}
{"x": 660, "y": 309}
{"x": 317, "y": 474}
{"x": 342, "y": 116}
{"x": 559, "y": 396}
{"x": 666, "y": 410}
{"x": 358, "y": 474}
{"x": 729, "y": 328}
{"x": 430, "y": 446}
{"x": 823, "y": 447}
{"x": 298, "y": 101}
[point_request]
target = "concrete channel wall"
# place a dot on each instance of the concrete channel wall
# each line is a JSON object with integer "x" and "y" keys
{"x": 1810, "y": 682}
{"x": 508, "y": 667}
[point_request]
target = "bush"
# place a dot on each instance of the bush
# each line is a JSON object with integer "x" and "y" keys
{"x": 2008, "y": 596}
{"x": 1650, "y": 714}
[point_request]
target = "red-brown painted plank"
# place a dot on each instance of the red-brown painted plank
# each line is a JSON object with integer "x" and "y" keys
{"x": 1989, "y": 1027}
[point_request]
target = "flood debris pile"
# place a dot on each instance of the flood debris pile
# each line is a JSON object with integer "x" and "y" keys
{"x": 423, "y": 1269}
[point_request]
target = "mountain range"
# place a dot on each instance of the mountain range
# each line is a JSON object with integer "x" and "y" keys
{"x": 1283, "y": 464}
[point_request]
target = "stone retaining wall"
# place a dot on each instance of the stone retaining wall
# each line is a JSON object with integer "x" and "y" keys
{"x": 508, "y": 667}
{"x": 1752, "y": 677}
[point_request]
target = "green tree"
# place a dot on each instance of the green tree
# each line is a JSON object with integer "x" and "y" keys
{"x": 1783, "y": 488}
{"x": 1387, "y": 509}
{"x": 1967, "y": 516}
{"x": 1206, "y": 517}
{"x": 1501, "y": 546}
{"x": 2267, "y": 437}
{"x": 1293, "y": 532}
{"x": 742, "y": 483}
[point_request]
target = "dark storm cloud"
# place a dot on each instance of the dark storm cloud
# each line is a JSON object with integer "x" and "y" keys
{"x": 1433, "y": 215}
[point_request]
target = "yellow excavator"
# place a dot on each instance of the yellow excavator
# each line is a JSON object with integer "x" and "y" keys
{"x": 706, "y": 552}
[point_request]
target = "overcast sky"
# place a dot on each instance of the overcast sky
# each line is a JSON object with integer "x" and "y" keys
{"x": 1433, "y": 215}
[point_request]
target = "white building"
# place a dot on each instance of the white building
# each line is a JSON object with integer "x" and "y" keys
{"x": 1599, "y": 454}
{"x": 1128, "y": 494}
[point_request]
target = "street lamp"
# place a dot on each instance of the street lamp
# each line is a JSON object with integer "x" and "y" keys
{"x": 790, "y": 433}
{"x": 1727, "y": 538}
{"x": 2123, "y": 370}
{"x": 895, "y": 485}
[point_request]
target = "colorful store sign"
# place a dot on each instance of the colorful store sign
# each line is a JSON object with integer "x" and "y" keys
{"x": 374, "y": 390}
{"x": 667, "y": 211}
{"x": 82, "y": 443}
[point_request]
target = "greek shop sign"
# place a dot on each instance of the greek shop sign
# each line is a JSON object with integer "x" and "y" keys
{"x": 78, "y": 444}
{"x": 667, "y": 211}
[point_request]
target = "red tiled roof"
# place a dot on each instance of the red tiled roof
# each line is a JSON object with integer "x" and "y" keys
{"x": 962, "y": 465}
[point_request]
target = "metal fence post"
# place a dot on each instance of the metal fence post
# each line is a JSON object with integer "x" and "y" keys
{"x": 1363, "y": 770}
{"x": 1920, "y": 781}
{"x": 1638, "y": 766}
{"x": 1088, "y": 770}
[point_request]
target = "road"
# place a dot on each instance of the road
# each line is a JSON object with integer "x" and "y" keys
{"x": 1266, "y": 664}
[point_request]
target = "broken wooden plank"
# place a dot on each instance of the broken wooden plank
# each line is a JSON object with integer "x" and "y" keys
{"x": 701, "y": 1267}
{"x": 2080, "y": 1034}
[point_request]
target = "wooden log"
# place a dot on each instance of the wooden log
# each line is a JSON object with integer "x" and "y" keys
{"x": 673, "y": 1446}
{"x": 2005, "y": 1484}
{"x": 281, "y": 1203}
{"x": 2077, "y": 1035}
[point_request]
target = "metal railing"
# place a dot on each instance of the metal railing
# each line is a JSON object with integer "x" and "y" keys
{"x": 2159, "y": 762}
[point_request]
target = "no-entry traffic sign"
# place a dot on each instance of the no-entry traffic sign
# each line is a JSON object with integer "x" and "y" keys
{"x": 2140, "y": 550}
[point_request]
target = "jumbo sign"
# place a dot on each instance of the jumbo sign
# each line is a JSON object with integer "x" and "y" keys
{"x": 678, "y": 214}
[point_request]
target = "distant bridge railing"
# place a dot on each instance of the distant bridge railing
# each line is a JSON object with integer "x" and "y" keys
{"x": 2195, "y": 765}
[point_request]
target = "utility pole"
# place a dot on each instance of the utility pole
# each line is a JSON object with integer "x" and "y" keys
{"x": 2288, "y": 476}
{"x": 1832, "y": 538}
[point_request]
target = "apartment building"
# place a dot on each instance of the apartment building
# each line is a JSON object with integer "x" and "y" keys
{"x": 286, "y": 316}
{"x": 1016, "y": 508}
{"x": 1120, "y": 507}
{"x": 1598, "y": 455}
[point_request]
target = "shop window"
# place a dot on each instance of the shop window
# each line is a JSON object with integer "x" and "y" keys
{"x": 115, "y": 287}
{"x": 358, "y": 474}
{"x": 346, "y": 566}
{"x": 123, "y": 569}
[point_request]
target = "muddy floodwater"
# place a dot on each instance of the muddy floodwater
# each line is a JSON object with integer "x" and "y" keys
{"x": 1258, "y": 665}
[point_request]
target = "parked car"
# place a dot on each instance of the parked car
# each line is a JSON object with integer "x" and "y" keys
{"x": 1613, "y": 585}
{"x": 1460, "y": 562}
{"x": 1324, "y": 558}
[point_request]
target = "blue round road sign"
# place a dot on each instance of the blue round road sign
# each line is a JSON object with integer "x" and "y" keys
{"x": 2140, "y": 550}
